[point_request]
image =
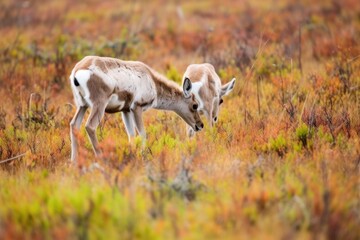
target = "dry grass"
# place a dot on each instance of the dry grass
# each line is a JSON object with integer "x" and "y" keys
{"x": 282, "y": 162}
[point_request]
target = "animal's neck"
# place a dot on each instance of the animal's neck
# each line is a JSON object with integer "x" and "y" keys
{"x": 169, "y": 94}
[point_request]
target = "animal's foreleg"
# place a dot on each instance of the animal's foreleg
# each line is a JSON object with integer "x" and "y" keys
{"x": 137, "y": 113}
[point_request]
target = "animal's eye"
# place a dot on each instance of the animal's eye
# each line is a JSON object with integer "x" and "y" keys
{"x": 195, "y": 106}
{"x": 221, "y": 101}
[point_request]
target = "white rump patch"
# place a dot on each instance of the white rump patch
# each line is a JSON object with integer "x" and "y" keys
{"x": 83, "y": 76}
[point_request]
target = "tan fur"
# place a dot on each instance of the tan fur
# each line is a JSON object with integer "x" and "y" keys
{"x": 208, "y": 92}
{"x": 111, "y": 64}
{"x": 197, "y": 72}
{"x": 105, "y": 64}
{"x": 166, "y": 89}
{"x": 209, "y": 89}
{"x": 127, "y": 97}
{"x": 97, "y": 88}
{"x": 111, "y": 85}
{"x": 124, "y": 96}
{"x": 84, "y": 64}
{"x": 163, "y": 86}
{"x": 101, "y": 64}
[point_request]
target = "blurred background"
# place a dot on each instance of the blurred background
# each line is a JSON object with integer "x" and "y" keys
{"x": 282, "y": 162}
{"x": 165, "y": 34}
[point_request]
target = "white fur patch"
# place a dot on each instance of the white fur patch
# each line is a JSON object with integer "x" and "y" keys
{"x": 114, "y": 102}
{"x": 83, "y": 76}
{"x": 108, "y": 77}
{"x": 195, "y": 90}
{"x": 137, "y": 83}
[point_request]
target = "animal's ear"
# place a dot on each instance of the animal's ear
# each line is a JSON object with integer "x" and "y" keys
{"x": 227, "y": 88}
{"x": 187, "y": 86}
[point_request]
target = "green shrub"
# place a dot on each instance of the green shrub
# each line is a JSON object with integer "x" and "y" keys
{"x": 173, "y": 74}
{"x": 303, "y": 134}
{"x": 278, "y": 145}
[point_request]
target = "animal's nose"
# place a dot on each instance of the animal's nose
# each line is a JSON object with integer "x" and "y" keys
{"x": 199, "y": 126}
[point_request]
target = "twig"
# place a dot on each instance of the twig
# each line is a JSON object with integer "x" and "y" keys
{"x": 249, "y": 74}
{"x": 258, "y": 95}
{"x": 299, "y": 55}
{"x": 303, "y": 108}
{"x": 13, "y": 158}
{"x": 353, "y": 59}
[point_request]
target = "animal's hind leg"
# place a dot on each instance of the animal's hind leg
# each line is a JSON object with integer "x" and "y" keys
{"x": 75, "y": 125}
{"x": 97, "y": 113}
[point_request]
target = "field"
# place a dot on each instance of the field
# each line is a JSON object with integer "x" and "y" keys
{"x": 283, "y": 161}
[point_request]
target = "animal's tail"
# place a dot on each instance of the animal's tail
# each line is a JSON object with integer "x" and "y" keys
{"x": 76, "y": 82}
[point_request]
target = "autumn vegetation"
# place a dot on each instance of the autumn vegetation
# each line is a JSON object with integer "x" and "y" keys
{"x": 283, "y": 161}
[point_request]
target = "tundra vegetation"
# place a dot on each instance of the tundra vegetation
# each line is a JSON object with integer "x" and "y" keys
{"x": 282, "y": 162}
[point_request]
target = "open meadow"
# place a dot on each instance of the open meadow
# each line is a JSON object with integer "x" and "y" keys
{"x": 282, "y": 162}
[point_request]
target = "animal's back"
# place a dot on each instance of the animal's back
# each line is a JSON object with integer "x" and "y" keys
{"x": 204, "y": 72}
{"x": 120, "y": 81}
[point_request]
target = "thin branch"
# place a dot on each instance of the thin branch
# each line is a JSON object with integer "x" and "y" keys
{"x": 353, "y": 59}
{"x": 259, "y": 52}
{"x": 13, "y": 158}
{"x": 303, "y": 108}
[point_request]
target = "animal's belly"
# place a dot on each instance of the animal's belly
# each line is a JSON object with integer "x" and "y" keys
{"x": 115, "y": 104}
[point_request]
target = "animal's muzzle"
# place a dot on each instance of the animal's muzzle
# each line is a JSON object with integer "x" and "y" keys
{"x": 199, "y": 126}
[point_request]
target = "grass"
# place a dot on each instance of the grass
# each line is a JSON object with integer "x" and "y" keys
{"x": 282, "y": 161}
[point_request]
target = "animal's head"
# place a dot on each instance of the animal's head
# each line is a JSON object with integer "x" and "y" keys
{"x": 217, "y": 101}
{"x": 189, "y": 110}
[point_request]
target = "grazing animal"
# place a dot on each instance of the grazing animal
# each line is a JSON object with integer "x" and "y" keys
{"x": 111, "y": 85}
{"x": 207, "y": 89}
